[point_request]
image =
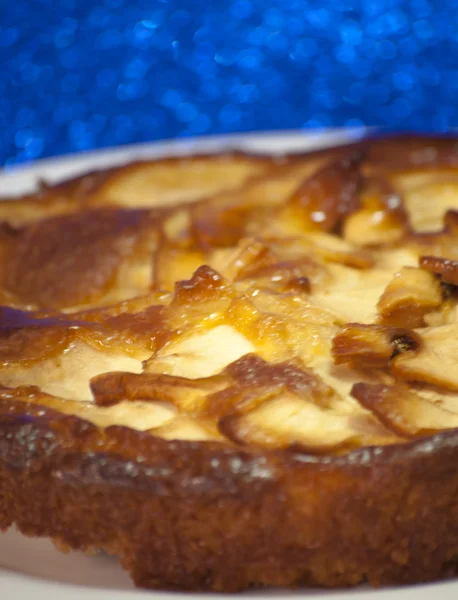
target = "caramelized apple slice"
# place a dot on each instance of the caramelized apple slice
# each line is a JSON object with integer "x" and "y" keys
{"x": 186, "y": 394}
{"x": 287, "y": 421}
{"x": 273, "y": 262}
{"x": 435, "y": 361}
{"x": 242, "y": 385}
{"x": 161, "y": 182}
{"x": 141, "y": 416}
{"x": 172, "y": 264}
{"x": 425, "y": 214}
{"x": 327, "y": 197}
{"x": 277, "y": 404}
{"x": 279, "y": 275}
{"x": 403, "y": 410}
{"x": 410, "y": 295}
{"x": 26, "y": 338}
{"x": 185, "y": 428}
{"x": 252, "y": 372}
{"x": 250, "y": 255}
{"x": 67, "y": 374}
{"x": 441, "y": 244}
{"x": 381, "y": 219}
{"x": 336, "y": 250}
{"x": 172, "y": 181}
{"x": 205, "y": 284}
{"x": 61, "y": 353}
{"x": 446, "y": 268}
{"x": 229, "y": 216}
{"x": 371, "y": 346}
{"x": 200, "y": 354}
{"x": 130, "y": 306}
{"x": 351, "y": 294}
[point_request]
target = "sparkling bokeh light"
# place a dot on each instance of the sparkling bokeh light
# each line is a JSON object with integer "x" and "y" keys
{"x": 81, "y": 74}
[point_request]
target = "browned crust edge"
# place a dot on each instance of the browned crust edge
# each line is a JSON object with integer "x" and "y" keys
{"x": 205, "y": 516}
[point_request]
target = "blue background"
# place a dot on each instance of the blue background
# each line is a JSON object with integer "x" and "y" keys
{"x": 80, "y": 74}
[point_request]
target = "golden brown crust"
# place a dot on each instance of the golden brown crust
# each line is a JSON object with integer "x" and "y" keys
{"x": 166, "y": 507}
{"x": 278, "y": 477}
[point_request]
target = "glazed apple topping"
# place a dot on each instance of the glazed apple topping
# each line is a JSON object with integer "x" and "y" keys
{"x": 372, "y": 345}
{"x": 409, "y": 296}
{"x": 404, "y": 410}
{"x": 302, "y": 301}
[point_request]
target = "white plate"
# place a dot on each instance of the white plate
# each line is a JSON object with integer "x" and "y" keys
{"x": 33, "y": 568}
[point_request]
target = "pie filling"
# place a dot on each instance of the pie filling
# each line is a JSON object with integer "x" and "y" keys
{"x": 309, "y": 301}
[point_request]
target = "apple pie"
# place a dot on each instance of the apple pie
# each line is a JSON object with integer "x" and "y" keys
{"x": 237, "y": 370}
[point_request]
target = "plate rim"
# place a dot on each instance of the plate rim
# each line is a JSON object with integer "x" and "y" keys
{"x": 188, "y": 143}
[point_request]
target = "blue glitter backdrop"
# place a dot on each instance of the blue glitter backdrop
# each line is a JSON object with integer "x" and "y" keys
{"x": 79, "y": 74}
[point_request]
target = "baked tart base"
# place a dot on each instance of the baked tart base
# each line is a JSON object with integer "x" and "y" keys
{"x": 195, "y": 517}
